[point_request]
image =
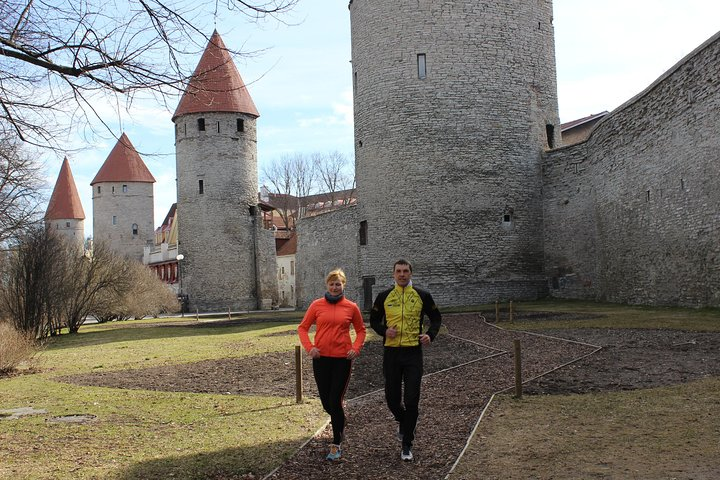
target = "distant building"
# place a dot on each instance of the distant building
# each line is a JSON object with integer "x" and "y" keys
{"x": 286, "y": 271}
{"x": 162, "y": 256}
{"x": 579, "y": 130}
{"x": 64, "y": 212}
{"x": 123, "y": 201}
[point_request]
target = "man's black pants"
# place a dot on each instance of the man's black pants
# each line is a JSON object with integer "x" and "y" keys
{"x": 403, "y": 367}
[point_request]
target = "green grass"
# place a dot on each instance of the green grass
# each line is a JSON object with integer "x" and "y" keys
{"x": 147, "y": 434}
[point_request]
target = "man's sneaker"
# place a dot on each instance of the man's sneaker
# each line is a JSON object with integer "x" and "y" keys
{"x": 335, "y": 452}
{"x": 406, "y": 454}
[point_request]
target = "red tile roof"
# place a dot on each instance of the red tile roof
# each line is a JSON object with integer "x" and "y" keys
{"x": 216, "y": 85}
{"x": 65, "y": 201}
{"x": 289, "y": 247}
{"x": 123, "y": 165}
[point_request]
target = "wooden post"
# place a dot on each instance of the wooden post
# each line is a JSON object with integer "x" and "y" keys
{"x": 518, "y": 370}
{"x": 229, "y": 313}
{"x": 298, "y": 375}
{"x": 197, "y": 315}
{"x": 497, "y": 311}
{"x": 511, "y": 312}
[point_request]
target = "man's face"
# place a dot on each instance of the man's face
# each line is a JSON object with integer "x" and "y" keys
{"x": 402, "y": 274}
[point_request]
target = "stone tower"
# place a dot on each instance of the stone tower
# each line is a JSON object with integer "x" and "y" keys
{"x": 219, "y": 232}
{"x": 123, "y": 201}
{"x": 65, "y": 213}
{"x": 454, "y": 104}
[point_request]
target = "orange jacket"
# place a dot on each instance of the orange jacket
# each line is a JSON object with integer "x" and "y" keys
{"x": 332, "y": 330}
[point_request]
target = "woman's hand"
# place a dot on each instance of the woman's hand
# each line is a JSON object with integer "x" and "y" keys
{"x": 314, "y": 352}
{"x": 352, "y": 354}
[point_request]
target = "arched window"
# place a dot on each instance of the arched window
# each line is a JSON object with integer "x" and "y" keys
{"x": 134, "y": 228}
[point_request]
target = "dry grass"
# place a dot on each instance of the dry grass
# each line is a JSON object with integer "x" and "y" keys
{"x": 663, "y": 433}
{"x": 16, "y": 348}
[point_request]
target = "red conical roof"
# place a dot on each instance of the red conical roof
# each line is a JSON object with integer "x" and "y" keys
{"x": 65, "y": 201}
{"x": 216, "y": 85}
{"x": 123, "y": 165}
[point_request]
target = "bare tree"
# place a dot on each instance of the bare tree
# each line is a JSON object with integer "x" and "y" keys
{"x": 30, "y": 284}
{"x": 146, "y": 295}
{"x": 304, "y": 177}
{"x": 20, "y": 186}
{"x": 336, "y": 177}
{"x": 58, "y": 57}
{"x": 278, "y": 177}
{"x": 91, "y": 274}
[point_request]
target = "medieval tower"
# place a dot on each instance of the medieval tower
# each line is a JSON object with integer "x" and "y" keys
{"x": 228, "y": 260}
{"x": 122, "y": 198}
{"x": 65, "y": 213}
{"x": 455, "y": 103}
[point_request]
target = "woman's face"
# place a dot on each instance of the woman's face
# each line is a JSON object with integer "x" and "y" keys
{"x": 335, "y": 287}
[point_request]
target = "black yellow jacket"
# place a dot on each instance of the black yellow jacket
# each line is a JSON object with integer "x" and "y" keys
{"x": 403, "y": 308}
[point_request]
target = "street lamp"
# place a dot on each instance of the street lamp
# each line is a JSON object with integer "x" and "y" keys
{"x": 182, "y": 297}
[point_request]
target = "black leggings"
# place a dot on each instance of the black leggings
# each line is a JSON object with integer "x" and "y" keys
{"x": 332, "y": 376}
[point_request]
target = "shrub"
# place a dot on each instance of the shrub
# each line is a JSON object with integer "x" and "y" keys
{"x": 16, "y": 347}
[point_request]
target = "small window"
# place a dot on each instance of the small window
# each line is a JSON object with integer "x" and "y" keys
{"x": 99, "y": 189}
{"x": 363, "y": 232}
{"x": 201, "y": 124}
{"x": 124, "y": 188}
{"x": 240, "y": 125}
{"x": 422, "y": 66}
{"x": 114, "y": 219}
{"x": 113, "y": 189}
{"x": 507, "y": 218}
{"x": 67, "y": 224}
{"x": 201, "y": 187}
{"x": 550, "y": 132}
{"x": 218, "y": 126}
{"x": 292, "y": 267}
{"x": 134, "y": 228}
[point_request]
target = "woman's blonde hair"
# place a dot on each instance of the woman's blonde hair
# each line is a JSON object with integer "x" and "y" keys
{"x": 336, "y": 274}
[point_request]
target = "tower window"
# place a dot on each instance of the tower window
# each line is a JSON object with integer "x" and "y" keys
{"x": 201, "y": 124}
{"x": 201, "y": 187}
{"x": 67, "y": 224}
{"x": 240, "y": 125}
{"x": 218, "y": 125}
{"x": 99, "y": 189}
{"x": 421, "y": 66}
{"x": 363, "y": 232}
{"x": 113, "y": 189}
{"x": 134, "y": 228}
{"x": 114, "y": 219}
{"x": 124, "y": 188}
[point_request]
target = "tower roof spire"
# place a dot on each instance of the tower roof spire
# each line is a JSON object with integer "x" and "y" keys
{"x": 123, "y": 165}
{"x": 216, "y": 85}
{"x": 65, "y": 201}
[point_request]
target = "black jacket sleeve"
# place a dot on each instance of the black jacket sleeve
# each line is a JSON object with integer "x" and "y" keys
{"x": 377, "y": 314}
{"x": 431, "y": 310}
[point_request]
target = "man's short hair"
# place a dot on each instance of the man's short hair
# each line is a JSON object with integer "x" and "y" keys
{"x": 402, "y": 262}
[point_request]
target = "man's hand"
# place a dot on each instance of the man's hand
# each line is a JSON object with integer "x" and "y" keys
{"x": 425, "y": 339}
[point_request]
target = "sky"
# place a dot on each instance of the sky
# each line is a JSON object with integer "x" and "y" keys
{"x": 300, "y": 79}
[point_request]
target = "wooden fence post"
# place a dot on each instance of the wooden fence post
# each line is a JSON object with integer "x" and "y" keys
{"x": 298, "y": 375}
{"x": 518, "y": 370}
{"x": 497, "y": 311}
{"x": 511, "y": 312}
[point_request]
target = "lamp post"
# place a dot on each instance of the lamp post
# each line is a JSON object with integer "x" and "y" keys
{"x": 179, "y": 258}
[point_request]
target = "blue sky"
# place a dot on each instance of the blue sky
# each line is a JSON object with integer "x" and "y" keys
{"x": 606, "y": 53}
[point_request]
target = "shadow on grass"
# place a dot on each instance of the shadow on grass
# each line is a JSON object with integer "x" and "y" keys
{"x": 162, "y": 331}
{"x": 233, "y": 463}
